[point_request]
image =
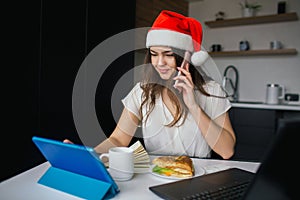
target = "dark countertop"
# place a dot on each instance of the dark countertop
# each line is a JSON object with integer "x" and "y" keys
{"x": 262, "y": 105}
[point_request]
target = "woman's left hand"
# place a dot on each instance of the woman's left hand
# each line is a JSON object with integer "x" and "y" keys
{"x": 185, "y": 85}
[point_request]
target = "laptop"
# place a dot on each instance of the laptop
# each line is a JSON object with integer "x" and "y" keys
{"x": 274, "y": 179}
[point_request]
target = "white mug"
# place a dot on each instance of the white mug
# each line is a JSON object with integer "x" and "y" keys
{"x": 121, "y": 163}
{"x": 275, "y": 92}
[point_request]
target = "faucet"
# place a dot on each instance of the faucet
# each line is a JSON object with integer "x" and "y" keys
{"x": 233, "y": 86}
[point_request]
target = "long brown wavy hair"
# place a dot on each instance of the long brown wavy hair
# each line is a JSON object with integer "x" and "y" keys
{"x": 152, "y": 86}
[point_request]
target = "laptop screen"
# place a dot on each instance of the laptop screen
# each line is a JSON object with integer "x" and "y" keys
{"x": 275, "y": 179}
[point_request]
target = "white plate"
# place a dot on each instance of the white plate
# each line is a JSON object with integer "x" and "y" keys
{"x": 199, "y": 171}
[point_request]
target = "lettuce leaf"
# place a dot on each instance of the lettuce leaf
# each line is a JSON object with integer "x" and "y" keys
{"x": 161, "y": 170}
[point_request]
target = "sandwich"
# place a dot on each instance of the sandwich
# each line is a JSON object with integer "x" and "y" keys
{"x": 177, "y": 166}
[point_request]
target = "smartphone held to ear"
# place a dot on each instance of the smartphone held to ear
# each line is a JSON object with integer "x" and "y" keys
{"x": 186, "y": 60}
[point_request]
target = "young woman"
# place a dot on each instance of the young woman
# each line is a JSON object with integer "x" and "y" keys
{"x": 179, "y": 110}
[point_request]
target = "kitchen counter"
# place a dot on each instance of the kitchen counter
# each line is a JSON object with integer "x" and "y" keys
{"x": 261, "y": 105}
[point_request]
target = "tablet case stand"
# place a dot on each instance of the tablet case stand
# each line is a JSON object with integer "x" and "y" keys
{"x": 75, "y": 169}
{"x": 76, "y": 184}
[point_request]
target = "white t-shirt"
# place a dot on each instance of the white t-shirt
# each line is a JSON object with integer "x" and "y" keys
{"x": 177, "y": 140}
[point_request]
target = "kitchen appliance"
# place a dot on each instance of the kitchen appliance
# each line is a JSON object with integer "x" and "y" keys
{"x": 275, "y": 93}
{"x": 291, "y": 99}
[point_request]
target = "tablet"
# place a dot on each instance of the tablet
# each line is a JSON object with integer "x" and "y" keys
{"x": 74, "y": 158}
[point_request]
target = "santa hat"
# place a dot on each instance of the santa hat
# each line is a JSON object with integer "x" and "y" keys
{"x": 175, "y": 30}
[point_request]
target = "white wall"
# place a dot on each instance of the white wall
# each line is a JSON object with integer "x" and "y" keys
{"x": 255, "y": 72}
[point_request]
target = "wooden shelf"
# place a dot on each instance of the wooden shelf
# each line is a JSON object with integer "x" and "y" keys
{"x": 253, "y": 20}
{"x": 263, "y": 52}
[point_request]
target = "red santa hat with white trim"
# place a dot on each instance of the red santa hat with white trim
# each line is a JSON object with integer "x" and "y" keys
{"x": 175, "y": 30}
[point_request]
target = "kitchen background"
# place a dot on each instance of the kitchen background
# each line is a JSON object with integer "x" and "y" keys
{"x": 255, "y": 72}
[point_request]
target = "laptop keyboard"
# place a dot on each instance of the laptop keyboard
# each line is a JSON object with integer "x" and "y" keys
{"x": 227, "y": 192}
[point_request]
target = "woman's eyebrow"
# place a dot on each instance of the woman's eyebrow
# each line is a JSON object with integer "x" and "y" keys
{"x": 164, "y": 52}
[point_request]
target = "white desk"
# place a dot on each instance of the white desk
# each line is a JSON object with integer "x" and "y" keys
{"x": 24, "y": 186}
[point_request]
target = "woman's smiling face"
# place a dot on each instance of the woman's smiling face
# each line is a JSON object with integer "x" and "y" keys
{"x": 164, "y": 62}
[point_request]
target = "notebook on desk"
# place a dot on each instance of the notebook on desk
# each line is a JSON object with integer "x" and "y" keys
{"x": 273, "y": 179}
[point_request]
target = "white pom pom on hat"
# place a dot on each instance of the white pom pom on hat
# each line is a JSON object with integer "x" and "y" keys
{"x": 198, "y": 58}
{"x": 175, "y": 30}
